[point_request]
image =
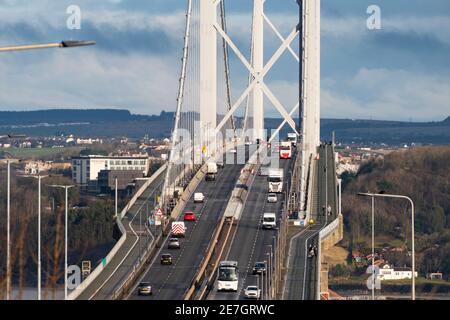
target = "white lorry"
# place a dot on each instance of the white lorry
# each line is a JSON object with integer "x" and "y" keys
{"x": 275, "y": 180}
{"x": 211, "y": 171}
{"x": 292, "y": 137}
{"x": 269, "y": 220}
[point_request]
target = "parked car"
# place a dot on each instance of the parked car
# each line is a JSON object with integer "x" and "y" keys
{"x": 199, "y": 197}
{"x": 272, "y": 198}
{"x": 174, "y": 243}
{"x": 166, "y": 258}
{"x": 189, "y": 216}
{"x": 259, "y": 268}
{"x": 252, "y": 292}
{"x": 145, "y": 289}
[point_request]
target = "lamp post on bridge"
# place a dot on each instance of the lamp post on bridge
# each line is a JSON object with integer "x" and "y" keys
{"x": 413, "y": 262}
{"x": 62, "y": 44}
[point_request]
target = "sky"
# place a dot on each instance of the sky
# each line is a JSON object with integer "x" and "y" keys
{"x": 400, "y": 72}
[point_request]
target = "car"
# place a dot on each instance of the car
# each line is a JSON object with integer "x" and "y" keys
{"x": 252, "y": 292}
{"x": 199, "y": 197}
{"x": 166, "y": 258}
{"x": 189, "y": 216}
{"x": 220, "y": 164}
{"x": 259, "y": 268}
{"x": 145, "y": 289}
{"x": 173, "y": 243}
{"x": 272, "y": 198}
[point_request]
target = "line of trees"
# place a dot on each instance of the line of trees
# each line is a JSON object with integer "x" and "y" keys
{"x": 91, "y": 231}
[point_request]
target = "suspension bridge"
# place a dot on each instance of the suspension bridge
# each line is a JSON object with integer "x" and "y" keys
{"x": 220, "y": 122}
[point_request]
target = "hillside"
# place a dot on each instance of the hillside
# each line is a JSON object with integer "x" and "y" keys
{"x": 424, "y": 175}
{"x": 114, "y": 123}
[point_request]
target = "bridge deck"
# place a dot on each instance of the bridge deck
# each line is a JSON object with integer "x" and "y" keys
{"x": 172, "y": 282}
{"x": 301, "y": 277}
{"x": 115, "y": 273}
{"x": 251, "y": 242}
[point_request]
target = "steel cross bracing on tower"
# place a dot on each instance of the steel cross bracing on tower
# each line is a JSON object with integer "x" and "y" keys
{"x": 199, "y": 100}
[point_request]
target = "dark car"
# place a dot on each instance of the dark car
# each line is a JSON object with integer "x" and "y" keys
{"x": 166, "y": 258}
{"x": 174, "y": 243}
{"x": 260, "y": 267}
{"x": 145, "y": 289}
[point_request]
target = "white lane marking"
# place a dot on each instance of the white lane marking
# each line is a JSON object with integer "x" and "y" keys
{"x": 134, "y": 244}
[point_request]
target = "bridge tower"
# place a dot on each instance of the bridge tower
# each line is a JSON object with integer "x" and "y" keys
{"x": 258, "y": 66}
{"x": 208, "y": 76}
{"x": 199, "y": 102}
{"x": 309, "y": 88}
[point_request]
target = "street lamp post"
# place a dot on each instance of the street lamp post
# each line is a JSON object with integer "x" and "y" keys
{"x": 39, "y": 177}
{"x": 340, "y": 196}
{"x": 62, "y": 44}
{"x": 115, "y": 198}
{"x": 66, "y": 188}
{"x": 413, "y": 260}
{"x": 8, "y": 227}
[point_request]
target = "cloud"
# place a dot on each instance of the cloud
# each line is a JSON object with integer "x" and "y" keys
{"x": 389, "y": 95}
{"x": 140, "y": 83}
{"x": 395, "y": 72}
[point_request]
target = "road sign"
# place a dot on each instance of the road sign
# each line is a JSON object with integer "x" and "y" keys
{"x": 158, "y": 212}
{"x": 86, "y": 268}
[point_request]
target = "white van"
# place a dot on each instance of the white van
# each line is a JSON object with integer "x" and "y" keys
{"x": 199, "y": 197}
{"x": 269, "y": 221}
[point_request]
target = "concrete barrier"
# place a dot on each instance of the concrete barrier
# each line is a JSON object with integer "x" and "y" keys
{"x": 326, "y": 232}
{"x": 95, "y": 273}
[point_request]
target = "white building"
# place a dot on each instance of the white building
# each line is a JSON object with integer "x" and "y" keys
{"x": 86, "y": 168}
{"x": 389, "y": 273}
{"x": 37, "y": 167}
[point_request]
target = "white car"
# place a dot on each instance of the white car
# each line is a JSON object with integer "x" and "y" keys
{"x": 199, "y": 197}
{"x": 252, "y": 292}
{"x": 272, "y": 198}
